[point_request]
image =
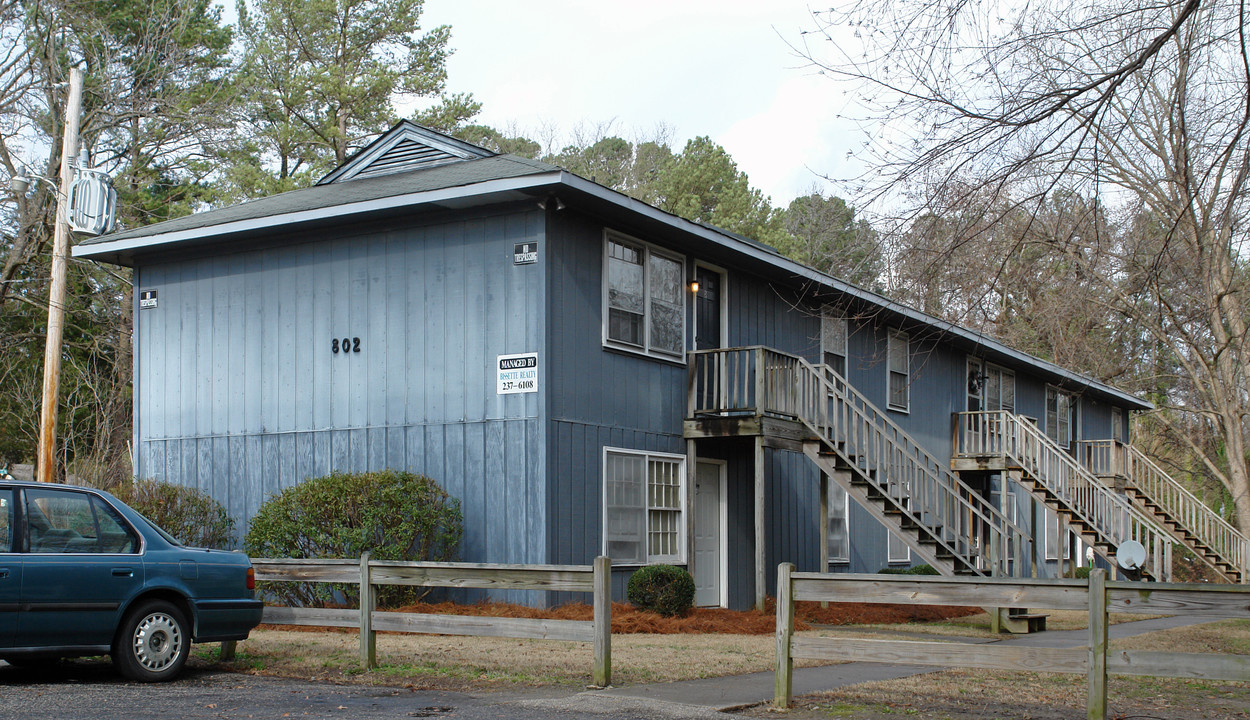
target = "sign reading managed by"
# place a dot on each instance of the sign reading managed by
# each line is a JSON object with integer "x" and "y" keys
{"x": 525, "y": 253}
{"x": 517, "y": 374}
{"x": 147, "y": 299}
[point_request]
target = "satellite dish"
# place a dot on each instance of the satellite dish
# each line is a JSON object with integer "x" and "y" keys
{"x": 1130, "y": 555}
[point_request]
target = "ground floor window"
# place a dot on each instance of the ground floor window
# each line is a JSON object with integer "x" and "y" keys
{"x": 1052, "y": 534}
{"x": 643, "y": 507}
{"x": 839, "y": 526}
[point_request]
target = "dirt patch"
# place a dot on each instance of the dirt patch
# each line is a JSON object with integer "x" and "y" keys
{"x": 628, "y": 620}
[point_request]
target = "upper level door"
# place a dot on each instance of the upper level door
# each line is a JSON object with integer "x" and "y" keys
{"x": 709, "y": 309}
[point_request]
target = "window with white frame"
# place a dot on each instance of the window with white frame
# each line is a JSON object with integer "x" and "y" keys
{"x": 839, "y": 525}
{"x": 833, "y": 340}
{"x": 643, "y": 507}
{"x": 644, "y": 299}
{"x": 1000, "y": 389}
{"x": 1052, "y": 534}
{"x": 899, "y": 362}
{"x": 1061, "y": 416}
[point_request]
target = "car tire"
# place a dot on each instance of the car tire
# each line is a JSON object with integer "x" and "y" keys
{"x": 153, "y": 642}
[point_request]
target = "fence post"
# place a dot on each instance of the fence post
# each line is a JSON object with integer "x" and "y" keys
{"x": 782, "y": 680}
{"x": 368, "y": 638}
{"x": 603, "y": 621}
{"x": 227, "y": 650}
{"x": 1096, "y": 705}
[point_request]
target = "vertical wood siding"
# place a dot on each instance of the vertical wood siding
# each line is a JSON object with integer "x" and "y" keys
{"x": 239, "y": 394}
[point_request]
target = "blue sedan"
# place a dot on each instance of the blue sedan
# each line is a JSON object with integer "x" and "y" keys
{"x": 81, "y": 573}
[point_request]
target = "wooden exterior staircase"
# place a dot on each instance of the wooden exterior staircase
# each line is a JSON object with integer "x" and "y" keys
{"x": 1005, "y": 442}
{"x": 1157, "y": 495}
{"x": 946, "y": 523}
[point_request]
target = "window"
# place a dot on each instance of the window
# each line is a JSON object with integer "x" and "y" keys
{"x": 1117, "y": 425}
{"x": 839, "y": 525}
{"x": 61, "y": 521}
{"x": 1000, "y": 389}
{"x": 643, "y": 507}
{"x": 900, "y": 370}
{"x": 645, "y": 302}
{"x": 833, "y": 336}
{"x": 1052, "y": 534}
{"x": 1061, "y": 416}
{"x": 6, "y": 520}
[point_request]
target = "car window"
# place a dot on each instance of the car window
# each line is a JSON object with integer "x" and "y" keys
{"x": 6, "y": 520}
{"x": 64, "y": 521}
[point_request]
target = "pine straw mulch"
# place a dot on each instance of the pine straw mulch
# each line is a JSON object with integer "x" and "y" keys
{"x": 626, "y": 619}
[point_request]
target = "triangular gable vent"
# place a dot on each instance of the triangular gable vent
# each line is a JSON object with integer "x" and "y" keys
{"x": 403, "y": 148}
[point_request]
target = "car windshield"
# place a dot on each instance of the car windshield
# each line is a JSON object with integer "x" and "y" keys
{"x": 159, "y": 530}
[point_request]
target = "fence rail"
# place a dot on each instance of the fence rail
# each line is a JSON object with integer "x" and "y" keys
{"x": 595, "y": 579}
{"x": 1097, "y": 596}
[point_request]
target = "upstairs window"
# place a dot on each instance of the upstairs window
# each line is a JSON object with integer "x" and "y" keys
{"x": 1061, "y": 416}
{"x": 833, "y": 335}
{"x": 899, "y": 361}
{"x": 1117, "y": 425}
{"x": 644, "y": 298}
{"x": 644, "y": 507}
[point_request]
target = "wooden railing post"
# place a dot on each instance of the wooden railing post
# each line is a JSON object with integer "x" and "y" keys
{"x": 368, "y": 638}
{"x": 783, "y": 688}
{"x": 1096, "y": 705}
{"x": 603, "y": 621}
{"x": 228, "y": 648}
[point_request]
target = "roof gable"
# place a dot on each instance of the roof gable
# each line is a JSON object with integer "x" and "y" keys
{"x": 402, "y": 148}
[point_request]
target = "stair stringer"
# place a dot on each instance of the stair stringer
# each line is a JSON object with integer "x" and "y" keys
{"x": 875, "y": 504}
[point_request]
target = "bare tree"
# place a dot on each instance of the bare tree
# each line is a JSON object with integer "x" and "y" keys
{"x": 1142, "y": 107}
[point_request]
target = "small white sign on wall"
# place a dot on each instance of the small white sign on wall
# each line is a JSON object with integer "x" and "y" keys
{"x": 517, "y": 373}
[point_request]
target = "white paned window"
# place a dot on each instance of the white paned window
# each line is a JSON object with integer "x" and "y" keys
{"x": 1000, "y": 389}
{"x": 839, "y": 525}
{"x": 1061, "y": 416}
{"x": 1052, "y": 534}
{"x": 645, "y": 300}
{"x": 643, "y": 507}
{"x": 899, "y": 361}
{"x": 833, "y": 336}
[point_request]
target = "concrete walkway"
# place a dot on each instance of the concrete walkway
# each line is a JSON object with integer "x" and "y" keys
{"x": 737, "y": 691}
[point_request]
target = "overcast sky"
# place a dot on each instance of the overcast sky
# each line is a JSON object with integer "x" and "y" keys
{"x": 719, "y": 68}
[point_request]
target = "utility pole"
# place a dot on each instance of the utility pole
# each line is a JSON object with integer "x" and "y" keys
{"x": 46, "y": 472}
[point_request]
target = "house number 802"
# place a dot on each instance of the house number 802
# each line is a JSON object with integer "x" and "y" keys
{"x": 345, "y": 345}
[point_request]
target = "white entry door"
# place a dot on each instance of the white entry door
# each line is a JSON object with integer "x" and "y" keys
{"x": 709, "y": 534}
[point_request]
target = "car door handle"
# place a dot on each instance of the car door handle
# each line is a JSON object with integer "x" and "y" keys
{"x": 123, "y": 572}
{"x": 4, "y": 573}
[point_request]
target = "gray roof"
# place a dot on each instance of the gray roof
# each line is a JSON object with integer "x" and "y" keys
{"x": 468, "y": 172}
{"x": 502, "y": 177}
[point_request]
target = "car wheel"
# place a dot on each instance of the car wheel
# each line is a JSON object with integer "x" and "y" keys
{"x": 153, "y": 642}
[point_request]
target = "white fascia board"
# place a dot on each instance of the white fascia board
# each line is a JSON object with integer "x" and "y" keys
{"x": 524, "y": 182}
{"x": 804, "y": 272}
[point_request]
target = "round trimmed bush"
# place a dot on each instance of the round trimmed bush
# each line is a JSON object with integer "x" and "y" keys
{"x": 394, "y": 515}
{"x": 664, "y": 589}
{"x": 924, "y": 569}
{"x": 190, "y": 515}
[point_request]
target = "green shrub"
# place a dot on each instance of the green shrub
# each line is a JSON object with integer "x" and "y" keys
{"x": 664, "y": 589}
{"x": 190, "y": 515}
{"x": 917, "y": 570}
{"x": 393, "y": 515}
{"x": 1081, "y": 573}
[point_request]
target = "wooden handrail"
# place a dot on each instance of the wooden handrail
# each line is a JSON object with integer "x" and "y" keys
{"x": 762, "y": 381}
{"x": 1110, "y": 517}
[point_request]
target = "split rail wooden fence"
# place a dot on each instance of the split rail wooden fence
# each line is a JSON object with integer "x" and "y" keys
{"x": 367, "y": 573}
{"x": 1097, "y": 596}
